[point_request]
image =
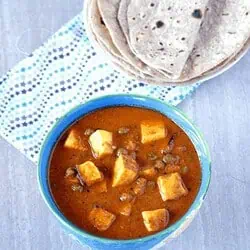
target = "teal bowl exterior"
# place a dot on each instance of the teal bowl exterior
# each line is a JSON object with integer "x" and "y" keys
{"x": 153, "y": 241}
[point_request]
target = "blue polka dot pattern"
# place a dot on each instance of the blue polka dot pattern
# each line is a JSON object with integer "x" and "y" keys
{"x": 62, "y": 73}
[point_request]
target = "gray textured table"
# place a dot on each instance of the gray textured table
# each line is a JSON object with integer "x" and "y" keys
{"x": 220, "y": 107}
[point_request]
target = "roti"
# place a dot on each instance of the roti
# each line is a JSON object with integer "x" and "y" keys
{"x": 222, "y": 39}
{"x": 109, "y": 13}
{"x": 99, "y": 36}
{"x": 163, "y": 33}
{"x": 122, "y": 18}
{"x": 225, "y": 30}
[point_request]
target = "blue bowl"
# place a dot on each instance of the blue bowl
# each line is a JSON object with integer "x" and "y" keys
{"x": 148, "y": 242}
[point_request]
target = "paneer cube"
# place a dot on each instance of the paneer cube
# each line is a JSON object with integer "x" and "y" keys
{"x": 101, "y": 143}
{"x": 152, "y": 131}
{"x": 148, "y": 172}
{"x": 100, "y": 187}
{"x": 155, "y": 220}
{"x": 171, "y": 186}
{"x": 139, "y": 186}
{"x": 89, "y": 173}
{"x": 126, "y": 209}
{"x": 101, "y": 218}
{"x": 74, "y": 141}
{"x": 125, "y": 170}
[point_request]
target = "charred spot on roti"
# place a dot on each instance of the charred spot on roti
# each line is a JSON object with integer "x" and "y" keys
{"x": 102, "y": 22}
{"x": 247, "y": 13}
{"x": 159, "y": 24}
{"x": 198, "y": 55}
{"x": 197, "y": 14}
{"x": 181, "y": 51}
{"x": 169, "y": 8}
{"x": 183, "y": 38}
{"x": 161, "y": 43}
{"x": 152, "y": 5}
{"x": 225, "y": 14}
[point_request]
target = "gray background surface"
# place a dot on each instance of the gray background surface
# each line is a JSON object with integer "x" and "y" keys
{"x": 220, "y": 107}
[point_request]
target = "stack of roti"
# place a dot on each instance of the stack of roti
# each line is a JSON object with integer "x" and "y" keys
{"x": 171, "y": 41}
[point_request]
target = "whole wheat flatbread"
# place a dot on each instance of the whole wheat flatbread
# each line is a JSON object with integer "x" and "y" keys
{"x": 163, "y": 33}
{"x": 225, "y": 30}
{"x": 99, "y": 36}
{"x": 123, "y": 23}
{"x": 193, "y": 72}
{"x": 123, "y": 19}
{"x": 109, "y": 13}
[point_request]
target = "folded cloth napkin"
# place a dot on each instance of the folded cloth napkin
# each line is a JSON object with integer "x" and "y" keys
{"x": 64, "y": 72}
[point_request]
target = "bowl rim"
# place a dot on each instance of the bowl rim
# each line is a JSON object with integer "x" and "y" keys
{"x": 46, "y": 151}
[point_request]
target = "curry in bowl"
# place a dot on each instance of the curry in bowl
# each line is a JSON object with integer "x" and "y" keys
{"x": 124, "y": 172}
